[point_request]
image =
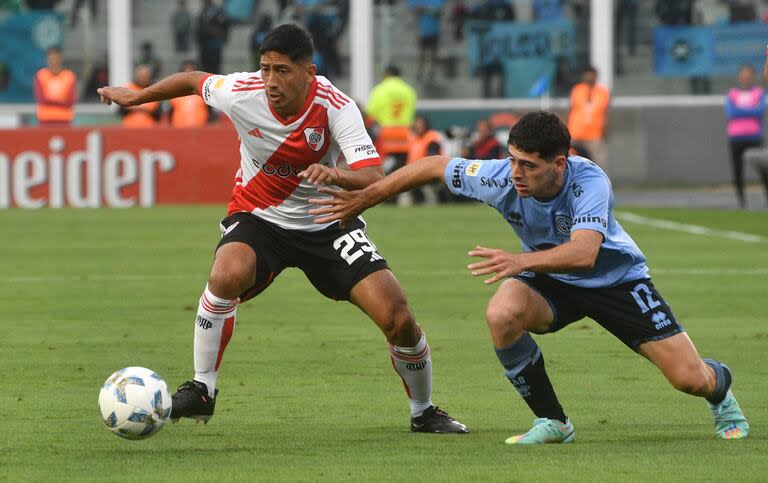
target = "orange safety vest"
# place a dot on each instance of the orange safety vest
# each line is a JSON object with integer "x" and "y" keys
{"x": 589, "y": 107}
{"x": 189, "y": 111}
{"x": 395, "y": 139}
{"x": 420, "y": 145}
{"x": 140, "y": 116}
{"x": 59, "y": 88}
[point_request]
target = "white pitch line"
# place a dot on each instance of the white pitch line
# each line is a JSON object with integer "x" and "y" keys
{"x": 709, "y": 271}
{"x": 688, "y": 228}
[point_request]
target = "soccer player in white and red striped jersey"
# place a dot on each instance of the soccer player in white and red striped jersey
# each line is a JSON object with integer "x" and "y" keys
{"x": 294, "y": 128}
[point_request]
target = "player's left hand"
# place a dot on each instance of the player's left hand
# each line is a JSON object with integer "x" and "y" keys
{"x": 502, "y": 264}
{"x": 342, "y": 205}
{"x": 320, "y": 174}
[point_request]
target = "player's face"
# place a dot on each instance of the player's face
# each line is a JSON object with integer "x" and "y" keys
{"x": 535, "y": 176}
{"x": 287, "y": 82}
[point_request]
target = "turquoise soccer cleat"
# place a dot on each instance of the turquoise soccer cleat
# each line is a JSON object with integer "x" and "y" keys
{"x": 730, "y": 422}
{"x": 545, "y": 431}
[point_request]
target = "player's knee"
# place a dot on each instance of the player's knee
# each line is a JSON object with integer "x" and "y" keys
{"x": 227, "y": 283}
{"x": 400, "y": 325}
{"x": 505, "y": 320}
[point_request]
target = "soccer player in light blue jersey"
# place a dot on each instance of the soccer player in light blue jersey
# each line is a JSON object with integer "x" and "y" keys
{"x": 577, "y": 262}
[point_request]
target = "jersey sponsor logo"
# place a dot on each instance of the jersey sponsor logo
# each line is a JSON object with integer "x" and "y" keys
{"x": 495, "y": 182}
{"x": 563, "y": 223}
{"x": 591, "y": 219}
{"x": 315, "y": 137}
{"x": 473, "y": 168}
{"x": 204, "y": 323}
{"x": 577, "y": 190}
{"x": 255, "y": 133}
{"x": 456, "y": 181}
{"x": 282, "y": 169}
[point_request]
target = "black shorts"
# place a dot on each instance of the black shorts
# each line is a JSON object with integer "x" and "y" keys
{"x": 634, "y": 312}
{"x": 333, "y": 259}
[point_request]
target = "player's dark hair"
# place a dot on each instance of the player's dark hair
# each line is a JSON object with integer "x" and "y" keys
{"x": 392, "y": 70}
{"x": 541, "y": 132}
{"x": 290, "y": 40}
{"x": 53, "y": 50}
{"x": 590, "y": 69}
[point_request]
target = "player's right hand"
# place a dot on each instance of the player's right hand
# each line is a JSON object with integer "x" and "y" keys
{"x": 119, "y": 95}
{"x": 500, "y": 263}
{"x": 342, "y": 205}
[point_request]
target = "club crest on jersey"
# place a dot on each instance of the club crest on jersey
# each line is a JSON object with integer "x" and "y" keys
{"x": 315, "y": 137}
{"x": 563, "y": 223}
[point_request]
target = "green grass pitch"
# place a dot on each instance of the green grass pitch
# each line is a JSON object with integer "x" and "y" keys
{"x": 307, "y": 390}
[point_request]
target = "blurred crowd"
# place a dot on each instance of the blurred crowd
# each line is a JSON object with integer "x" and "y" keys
{"x": 200, "y": 30}
{"x": 200, "y": 37}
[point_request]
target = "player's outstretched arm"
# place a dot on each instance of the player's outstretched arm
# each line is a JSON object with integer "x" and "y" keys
{"x": 578, "y": 254}
{"x": 344, "y": 205}
{"x": 175, "y": 85}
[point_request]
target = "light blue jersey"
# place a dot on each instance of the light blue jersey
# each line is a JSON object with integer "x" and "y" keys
{"x": 584, "y": 203}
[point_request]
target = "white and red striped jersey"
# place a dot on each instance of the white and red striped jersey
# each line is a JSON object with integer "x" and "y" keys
{"x": 274, "y": 150}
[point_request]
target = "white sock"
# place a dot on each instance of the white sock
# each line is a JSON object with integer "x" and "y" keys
{"x": 414, "y": 365}
{"x": 214, "y": 325}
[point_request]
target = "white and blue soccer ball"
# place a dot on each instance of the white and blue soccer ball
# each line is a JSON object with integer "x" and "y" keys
{"x": 134, "y": 403}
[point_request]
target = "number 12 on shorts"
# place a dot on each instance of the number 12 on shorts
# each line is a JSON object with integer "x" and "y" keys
{"x": 640, "y": 292}
{"x": 357, "y": 241}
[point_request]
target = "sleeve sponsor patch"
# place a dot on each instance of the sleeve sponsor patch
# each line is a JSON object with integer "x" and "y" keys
{"x": 207, "y": 87}
{"x": 368, "y": 150}
{"x": 473, "y": 168}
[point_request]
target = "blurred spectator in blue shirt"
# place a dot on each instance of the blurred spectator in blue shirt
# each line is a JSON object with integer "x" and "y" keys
{"x": 544, "y": 10}
{"x": 429, "y": 38}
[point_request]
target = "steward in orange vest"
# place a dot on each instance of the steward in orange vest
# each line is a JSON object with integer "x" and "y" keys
{"x": 188, "y": 111}
{"x": 55, "y": 91}
{"x": 425, "y": 141}
{"x": 145, "y": 115}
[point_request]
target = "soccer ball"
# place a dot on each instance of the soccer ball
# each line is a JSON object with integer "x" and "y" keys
{"x": 134, "y": 403}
